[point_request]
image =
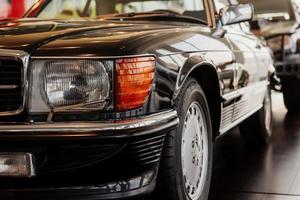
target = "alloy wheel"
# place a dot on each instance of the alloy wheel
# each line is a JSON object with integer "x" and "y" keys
{"x": 194, "y": 151}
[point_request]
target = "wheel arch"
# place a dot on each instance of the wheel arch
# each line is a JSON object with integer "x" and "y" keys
{"x": 206, "y": 75}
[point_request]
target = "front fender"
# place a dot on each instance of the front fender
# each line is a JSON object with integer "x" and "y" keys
{"x": 191, "y": 65}
{"x": 206, "y": 74}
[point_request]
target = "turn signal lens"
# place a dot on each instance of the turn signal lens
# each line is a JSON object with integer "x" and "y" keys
{"x": 134, "y": 78}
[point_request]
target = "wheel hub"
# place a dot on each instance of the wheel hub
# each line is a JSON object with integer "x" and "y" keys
{"x": 194, "y": 151}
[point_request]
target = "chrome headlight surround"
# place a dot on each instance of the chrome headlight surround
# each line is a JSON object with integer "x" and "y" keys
{"x": 69, "y": 85}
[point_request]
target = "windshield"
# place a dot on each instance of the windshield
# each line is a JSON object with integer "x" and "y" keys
{"x": 72, "y": 9}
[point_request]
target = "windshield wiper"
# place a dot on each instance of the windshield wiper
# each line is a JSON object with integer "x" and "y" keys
{"x": 155, "y": 14}
{"x": 133, "y": 14}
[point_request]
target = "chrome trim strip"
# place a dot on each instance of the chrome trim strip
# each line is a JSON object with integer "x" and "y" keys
{"x": 227, "y": 116}
{"x": 24, "y": 58}
{"x": 230, "y": 120}
{"x": 240, "y": 92}
{"x": 231, "y": 96}
{"x": 82, "y": 129}
{"x": 12, "y": 53}
{"x": 89, "y": 57}
{"x": 8, "y": 87}
{"x": 238, "y": 121}
{"x": 257, "y": 86}
{"x": 31, "y": 159}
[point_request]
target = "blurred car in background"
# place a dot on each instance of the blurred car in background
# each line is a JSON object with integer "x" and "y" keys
{"x": 278, "y": 21}
{"x": 14, "y": 8}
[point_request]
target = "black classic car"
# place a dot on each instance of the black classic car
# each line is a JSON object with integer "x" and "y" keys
{"x": 105, "y": 99}
{"x": 279, "y": 23}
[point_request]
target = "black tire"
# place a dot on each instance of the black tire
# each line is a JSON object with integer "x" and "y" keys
{"x": 170, "y": 185}
{"x": 291, "y": 93}
{"x": 257, "y": 129}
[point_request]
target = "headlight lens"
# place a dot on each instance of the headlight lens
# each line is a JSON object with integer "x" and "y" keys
{"x": 69, "y": 85}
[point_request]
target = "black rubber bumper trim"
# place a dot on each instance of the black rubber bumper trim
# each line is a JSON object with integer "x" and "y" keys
{"x": 114, "y": 190}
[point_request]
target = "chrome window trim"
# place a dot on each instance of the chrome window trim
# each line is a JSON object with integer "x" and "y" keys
{"x": 90, "y": 57}
{"x": 24, "y": 58}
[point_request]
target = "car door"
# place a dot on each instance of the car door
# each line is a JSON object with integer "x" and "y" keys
{"x": 250, "y": 88}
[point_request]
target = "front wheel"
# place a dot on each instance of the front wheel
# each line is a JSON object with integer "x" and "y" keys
{"x": 186, "y": 165}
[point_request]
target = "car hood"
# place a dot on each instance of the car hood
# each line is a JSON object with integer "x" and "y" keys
{"x": 86, "y": 37}
{"x": 279, "y": 28}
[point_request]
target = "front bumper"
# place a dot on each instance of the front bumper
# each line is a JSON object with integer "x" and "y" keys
{"x": 87, "y": 160}
{"x": 140, "y": 185}
{"x": 289, "y": 67}
{"x": 136, "y": 186}
{"x": 129, "y": 128}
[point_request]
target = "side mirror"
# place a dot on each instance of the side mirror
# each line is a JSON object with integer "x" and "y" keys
{"x": 235, "y": 14}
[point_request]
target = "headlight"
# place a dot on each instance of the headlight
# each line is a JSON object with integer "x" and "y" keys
{"x": 276, "y": 43}
{"x": 69, "y": 85}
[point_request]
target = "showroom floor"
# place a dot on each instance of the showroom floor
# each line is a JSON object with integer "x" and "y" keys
{"x": 244, "y": 172}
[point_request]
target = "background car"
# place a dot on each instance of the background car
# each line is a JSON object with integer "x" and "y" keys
{"x": 113, "y": 99}
{"x": 278, "y": 22}
{"x": 14, "y": 8}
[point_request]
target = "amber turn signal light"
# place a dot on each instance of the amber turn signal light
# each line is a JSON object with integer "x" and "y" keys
{"x": 134, "y": 78}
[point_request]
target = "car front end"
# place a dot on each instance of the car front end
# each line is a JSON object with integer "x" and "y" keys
{"x": 278, "y": 24}
{"x": 78, "y": 127}
{"x": 285, "y": 46}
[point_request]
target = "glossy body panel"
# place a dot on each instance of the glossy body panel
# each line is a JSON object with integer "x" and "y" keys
{"x": 252, "y": 69}
{"x": 180, "y": 48}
